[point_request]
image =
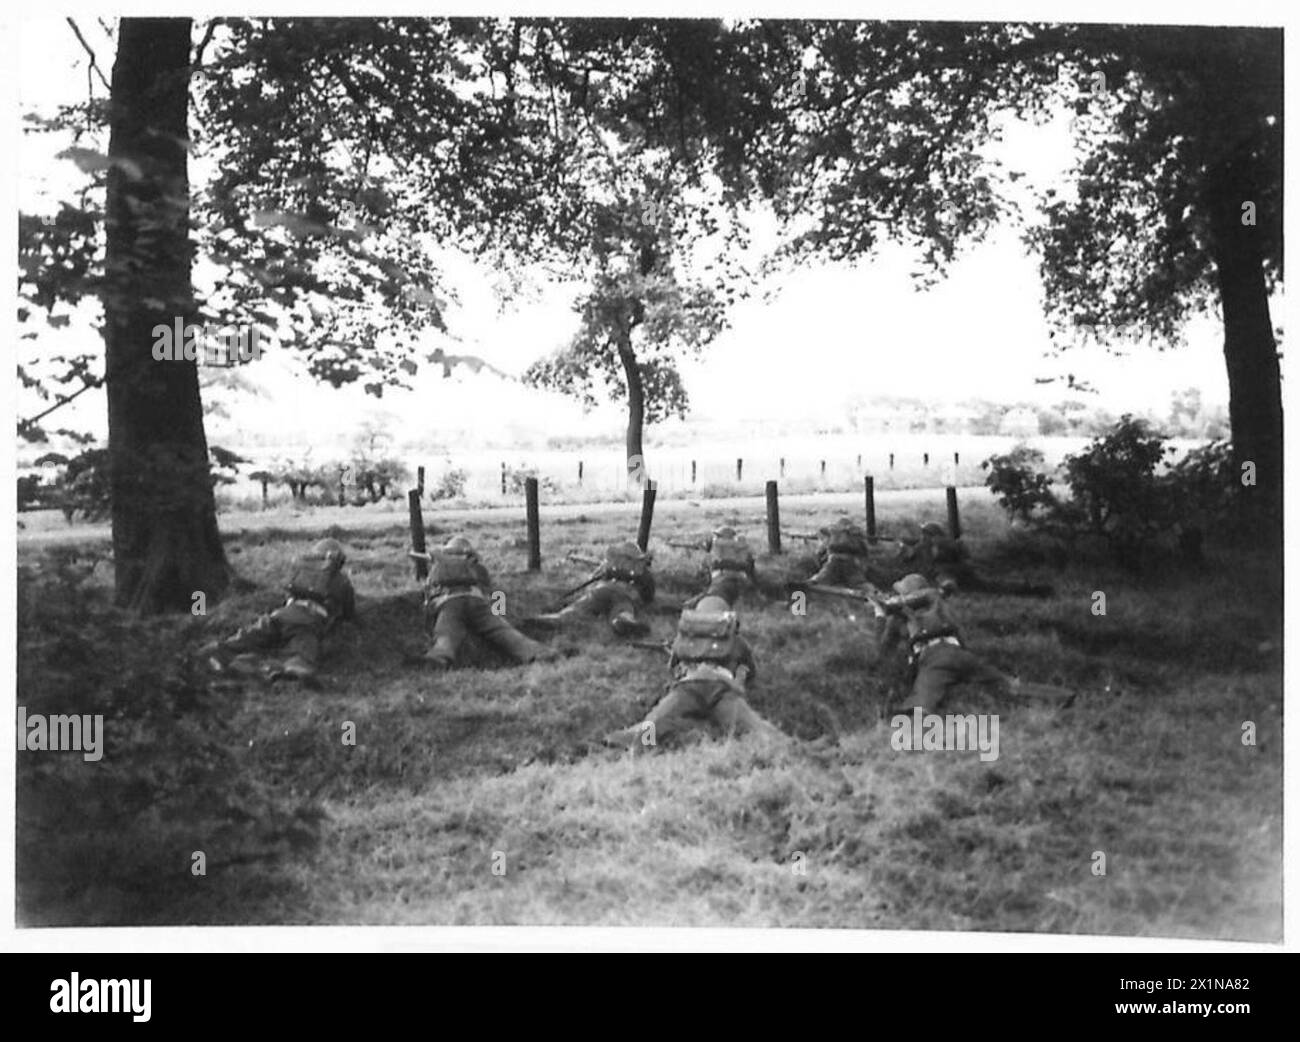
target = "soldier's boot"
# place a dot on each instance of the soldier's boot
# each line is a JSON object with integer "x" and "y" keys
{"x": 625, "y": 624}
{"x": 1031, "y": 691}
{"x": 629, "y": 739}
{"x": 538, "y": 626}
{"x": 225, "y": 662}
{"x": 215, "y": 656}
{"x": 435, "y": 662}
{"x": 297, "y": 669}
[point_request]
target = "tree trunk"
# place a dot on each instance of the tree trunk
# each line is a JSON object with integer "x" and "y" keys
{"x": 636, "y": 468}
{"x": 166, "y": 546}
{"x": 1254, "y": 375}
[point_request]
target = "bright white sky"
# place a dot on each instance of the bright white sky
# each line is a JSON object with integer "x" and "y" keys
{"x": 834, "y": 333}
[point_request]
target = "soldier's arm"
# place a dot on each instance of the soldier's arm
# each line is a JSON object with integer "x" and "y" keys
{"x": 646, "y": 587}
{"x": 348, "y": 612}
{"x": 480, "y": 570}
{"x": 747, "y": 664}
{"x": 889, "y": 633}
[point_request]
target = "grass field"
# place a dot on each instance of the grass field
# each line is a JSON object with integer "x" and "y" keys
{"x": 492, "y": 767}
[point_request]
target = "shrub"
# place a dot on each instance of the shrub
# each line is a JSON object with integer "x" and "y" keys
{"x": 516, "y": 476}
{"x": 1117, "y": 491}
{"x": 451, "y": 484}
{"x": 1114, "y": 487}
{"x": 1201, "y": 486}
{"x": 1020, "y": 481}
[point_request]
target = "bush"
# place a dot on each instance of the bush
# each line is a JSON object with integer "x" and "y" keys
{"x": 1117, "y": 491}
{"x": 1202, "y": 485}
{"x": 451, "y": 485}
{"x": 516, "y": 477}
{"x": 374, "y": 477}
{"x": 1020, "y": 481}
{"x": 1113, "y": 484}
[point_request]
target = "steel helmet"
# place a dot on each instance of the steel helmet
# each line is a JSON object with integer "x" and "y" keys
{"x": 458, "y": 544}
{"x": 332, "y": 550}
{"x": 910, "y": 584}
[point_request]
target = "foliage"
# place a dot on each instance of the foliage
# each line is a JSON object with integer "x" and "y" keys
{"x": 377, "y": 479}
{"x": 516, "y": 477}
{"x": 1118, "y": 490}
{"x": 1202, "y": 484}
{"x": 1114, "y": 488}
{"x": 1019, "y": 480}
{"x": 450, "y": 484}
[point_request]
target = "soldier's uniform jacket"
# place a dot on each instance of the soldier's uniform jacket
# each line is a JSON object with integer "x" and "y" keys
{"x": 923, "y": 617}
{"x": 931, "y": 555}
{"x": 455, "y": 579}
{"x": 321, "y": 590}
{"x": 708, "y": 658}
{"x": 729, "y": 554}
{"x": 843, "y": 537}
{"x": 617, "y": 570}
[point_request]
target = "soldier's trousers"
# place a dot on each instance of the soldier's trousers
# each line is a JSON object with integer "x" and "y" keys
{"x": 610, "y": 601}
{"x": 941, "y": 667}
{"x": 293, "y": 628}
{"x": 689, "y": 703}
{"x": 457, "y": 617}
{"x": 728, "y": 585}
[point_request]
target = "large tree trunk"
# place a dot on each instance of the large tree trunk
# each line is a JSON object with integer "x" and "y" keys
{"x": 636, "y": 467}
{"x": 1254, "y": 375}
{"x": 166, "y": 545}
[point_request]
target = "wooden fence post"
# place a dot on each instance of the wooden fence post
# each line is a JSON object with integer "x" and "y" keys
{"x": 869, "y": 484}
{"x": 417, "y": 534}
{"x": 534, "y": 525}
{"x": 419, "y": 480}
{"x": 954, "y": 522}
{"x": 647, "y": 515}
{"x": 503, "y": 479}
{"x": 692, "y": 472}
{"x": 773, "y": 519}
{"x": 740, "y": 468}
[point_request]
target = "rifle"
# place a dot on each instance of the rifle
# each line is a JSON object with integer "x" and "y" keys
{"x": 808, "y": 537}
{"x": 583, "y": 559}
{"x": 651, "y": 645}
{"x": 867, "y": 593}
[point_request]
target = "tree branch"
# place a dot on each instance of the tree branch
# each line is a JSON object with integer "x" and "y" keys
{"x": 94, "y": 63}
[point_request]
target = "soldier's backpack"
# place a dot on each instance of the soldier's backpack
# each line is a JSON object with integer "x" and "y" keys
{"x": 449, "y": 568}
{"x": 731, "y": 552}
{"x": 625, "y": 562}
{"x": 708, "y": 636}
{"x": 311, "y": 578}
{"x": 845, "y": 539}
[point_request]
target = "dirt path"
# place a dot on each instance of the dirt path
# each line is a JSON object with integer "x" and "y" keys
{"x": 48, "y": 528}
